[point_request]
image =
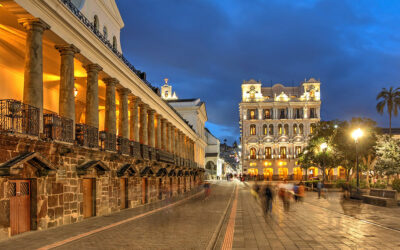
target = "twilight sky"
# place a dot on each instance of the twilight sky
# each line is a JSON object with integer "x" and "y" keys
{"x": 208, "y": 47}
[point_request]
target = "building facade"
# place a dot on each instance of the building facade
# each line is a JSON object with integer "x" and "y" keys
{"x": 82, "y": 132}
{"x": 275, "y": 124}
{"x": 214, "y": 162}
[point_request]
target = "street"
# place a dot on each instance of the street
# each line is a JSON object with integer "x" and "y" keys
{"x": 200, "y": 223}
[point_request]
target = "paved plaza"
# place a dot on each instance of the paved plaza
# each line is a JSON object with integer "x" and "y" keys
{"x": 197, "y": 222}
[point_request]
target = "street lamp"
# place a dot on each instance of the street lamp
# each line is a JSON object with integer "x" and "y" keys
{"x": 356, "y": 135}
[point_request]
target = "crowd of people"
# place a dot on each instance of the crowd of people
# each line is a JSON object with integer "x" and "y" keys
{"x": 287, "y": 193}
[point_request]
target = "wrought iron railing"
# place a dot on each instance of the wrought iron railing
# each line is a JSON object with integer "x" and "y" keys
{"x": 123, "y": 146}
{"x": 134, "y": 149}
{"x": 108, "y": 141}
{"x": 86, "y": 135}
{"x": 165, "y": 156}
{"x": 106, "y": 42}
{"x": 152, "y": 153}
{"x": 144, "y": 151}
{"x": 56, "y": 127}
{"x": 18, "y": 117}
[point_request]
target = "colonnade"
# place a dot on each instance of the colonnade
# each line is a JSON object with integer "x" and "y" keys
{"x": 137, "y": 121}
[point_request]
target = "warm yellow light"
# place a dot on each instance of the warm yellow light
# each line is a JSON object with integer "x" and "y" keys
{"x": 75, "y": 92}
{"x": 357, "y": 134}
{"x": 323, "y": 146}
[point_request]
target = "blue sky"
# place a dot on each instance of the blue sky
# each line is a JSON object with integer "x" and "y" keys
{"x": 207, "y": 48}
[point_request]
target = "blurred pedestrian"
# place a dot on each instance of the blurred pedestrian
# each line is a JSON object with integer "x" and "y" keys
{"x": 319, "y": 188}
{"x": 300, "y": 192}
{"x": 207, "y": 190}
{"x": 269, "y": 197}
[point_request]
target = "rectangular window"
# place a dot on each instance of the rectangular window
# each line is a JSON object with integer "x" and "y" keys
{"x": 268, "y": 154}
{"x": 297, "y": 150}
{"x": 283, "y": 152}
{"x": 313, "y": 113}
{"x": 267, "y": 114}
{"x": 282, "y": 114}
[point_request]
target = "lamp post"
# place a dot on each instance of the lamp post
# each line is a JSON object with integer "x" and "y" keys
{"x": 356, "y": 135}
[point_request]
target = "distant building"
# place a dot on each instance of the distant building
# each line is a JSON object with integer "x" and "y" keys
{"x": 231, "y": 156}
{"x": 275, "y": 123}
{"x": 395, "y": 132}
{"x": 214, "y": 163}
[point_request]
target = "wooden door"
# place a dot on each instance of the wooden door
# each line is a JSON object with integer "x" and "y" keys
{"x": 88, "y": 198}
{"x": 20, "y": 197}
{"x": 123, "y": 193}
{"x": 145, "y": 190}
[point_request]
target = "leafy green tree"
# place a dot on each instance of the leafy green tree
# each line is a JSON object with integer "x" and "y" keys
{"x": 391, "y": 100}
{"x": 388, "y": 151}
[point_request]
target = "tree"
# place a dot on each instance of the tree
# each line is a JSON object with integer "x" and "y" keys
{"x": 391, "y": 100}
{"x": 388, "y": 152}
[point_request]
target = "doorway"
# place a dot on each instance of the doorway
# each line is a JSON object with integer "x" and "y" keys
{"x": 123, "y": 188}
{"x": 89, "y": 201}
{"x": 160, "y": 189}
{"x": 20, "y": 197}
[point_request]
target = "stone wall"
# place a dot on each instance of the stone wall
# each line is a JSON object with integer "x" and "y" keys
{"x": 57, "y": 198}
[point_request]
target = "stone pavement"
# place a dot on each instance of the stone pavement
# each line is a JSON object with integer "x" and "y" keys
{"x": 189, "y": 225}
{"x": 306, "y": 226}
{"x": 197, "y": 221}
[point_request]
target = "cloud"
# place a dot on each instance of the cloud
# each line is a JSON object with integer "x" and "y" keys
{"x": 207, "y": 48}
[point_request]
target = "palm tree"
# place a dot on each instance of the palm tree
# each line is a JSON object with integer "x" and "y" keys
{"x": 391, "y": 99}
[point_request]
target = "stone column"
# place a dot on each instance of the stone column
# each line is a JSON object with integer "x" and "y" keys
{"x": 163, "y": 134}
{"x": 176, "y": 142}
{"x": 172, "y": 139}
{"x": 134, "y": 119}
{"x": 152, "y": 139}
{"x": 92, "y": 95}
{"x": 143, "y": 134}
{"x": 111, "y": 114}
{"x": 67, "y": 94}
{"x": 123, "y": 119}
{"x": 158, "y": 132}
{"x": 33, "y": 71}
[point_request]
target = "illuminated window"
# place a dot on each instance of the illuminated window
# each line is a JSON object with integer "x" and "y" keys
{"x": 295, "y": 130}
{"x": 283, "y": 173}
{"x": 265, "y": 129}
{"x": 311, "y": 128}
{"x": 298, "y": 150}
{"x": 280, "y": 129}
{"x": 286, "y": 129}
{"x": 282, "y": 152}
{"x": 268, "y": 153}
{"x": 252, "y": 129}
{"x": 301, "y": 129}
{"x": 252, "y": 153}
{"x": 253, "y": 164}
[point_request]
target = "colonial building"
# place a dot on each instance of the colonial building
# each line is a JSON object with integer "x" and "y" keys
{"x": 214, "y": 162}
{"x": 82, "y": 132}
{"x": 275, "y": 123}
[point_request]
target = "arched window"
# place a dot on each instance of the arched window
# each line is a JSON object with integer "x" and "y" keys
{"x": 286, "y": 129}
{"x": 295, "y": 129}
{"x": 265, "y": 129}
{"x": 252, "y": 153}
{"x": 280, "y": 129}
{"x": 312, "y": 128}
{"x": 301, "y": 129}
{"x": 105, "y": 32}
{"x": 268, "y": 153}
{"x": 282, "y": 152}
{"x": 271, "y": 129}
{"x": 252, "y": 114}
{"x": 267, "y": 114}
{"x": 96, "y": 22}
{"x": 252, "y": 129}
{"x": 114, "y": 42}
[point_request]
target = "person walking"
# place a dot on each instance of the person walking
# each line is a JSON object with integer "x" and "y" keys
{"x": 268, "y": 196}
{"x": 319, "y": 188}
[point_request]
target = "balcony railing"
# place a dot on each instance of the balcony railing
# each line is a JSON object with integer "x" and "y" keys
{"x": 144, "y": 151}
{"x": 134, "y": 149}
{"x": 87, "y": 136}
{"x": 58, "y": 128}
{"x": 17, "y": 117}
{"x": 108, "y": 141}
{"x": 123, "y": 146}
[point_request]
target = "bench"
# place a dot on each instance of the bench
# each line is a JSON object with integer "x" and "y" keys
{"x": 381, "y": 197}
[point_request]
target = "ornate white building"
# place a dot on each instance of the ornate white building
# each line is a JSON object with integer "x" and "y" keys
{"x": 275, "y": 124}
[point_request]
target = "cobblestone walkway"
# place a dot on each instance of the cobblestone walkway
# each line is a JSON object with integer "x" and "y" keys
{"x": 306, "y": 226}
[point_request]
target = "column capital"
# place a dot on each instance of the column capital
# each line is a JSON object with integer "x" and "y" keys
{"x": 151, "y": 111}
{"x": 36, "y": 24}
{"x": 110, "y": 81}
{"x": 159, "y": 117}
{"x": 123, "y": 91}
{"x": 143, "y": 105}
{"x": 93, "y": 67}
{"x": 134, "y": 99}
{"x": 66, "y": 49}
